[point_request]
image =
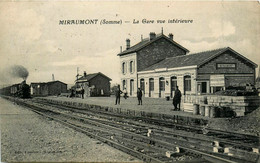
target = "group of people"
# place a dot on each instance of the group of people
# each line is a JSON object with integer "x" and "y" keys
{"x": 75, "y": 92}
{"x": 176, "y": 99}
{"x": 118, "y": 93}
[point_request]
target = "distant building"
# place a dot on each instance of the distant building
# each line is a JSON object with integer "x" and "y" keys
{"x": 96, "y": 84}
{"x": 48, "y": 89}
{"x": 39, "y": 89}
{"x": 158, "y": 64}
{"x": 257, "y": 81}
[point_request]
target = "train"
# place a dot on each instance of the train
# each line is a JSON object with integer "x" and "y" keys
{"x": 21, "y": 90}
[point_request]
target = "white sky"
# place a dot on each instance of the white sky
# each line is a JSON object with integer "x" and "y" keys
{"x": 30, "y": 34}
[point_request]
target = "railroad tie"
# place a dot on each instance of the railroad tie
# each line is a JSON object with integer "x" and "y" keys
{"x": 215, "y": 143}
{"x": 175, "y": 151}
{"x": 255, "y": 150}
{"x": 149, "y": 132}
{"x": 218, "y": 150}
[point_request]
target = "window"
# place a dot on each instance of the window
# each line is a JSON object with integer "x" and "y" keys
{"x": 124, "y": 84}
{"x": 162, "y": 84}
{"x": 187, "y": 83}
{"x": 131, "y": 66}
{"x": 124, "y": 68}
{"x": 151, "y": 84}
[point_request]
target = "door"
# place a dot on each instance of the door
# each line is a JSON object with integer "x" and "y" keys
{"x": 142, "y": 87}
{"x": 173, "y": 85}
{"x": 151, "y": 87}
{"x": 187, "y": 84}
{"x": 203, "y": 87}
{"x": 131, "y": 87}
{"x": 161, "y": 87}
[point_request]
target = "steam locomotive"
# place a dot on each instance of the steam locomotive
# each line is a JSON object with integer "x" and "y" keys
{"x": 21, "y": 90}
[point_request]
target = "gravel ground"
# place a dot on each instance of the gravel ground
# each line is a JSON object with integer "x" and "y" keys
{"x": 26, "y": 136}
{"x": 249, "y": 124}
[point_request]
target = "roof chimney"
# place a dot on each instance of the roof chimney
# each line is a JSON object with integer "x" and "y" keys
{"x": 127, "y": 44}
{"x": 171, "y": 36}
{"x": 120, "y": 49}
{"x": 152, "y": 35}
{"x": 85, "y": 74}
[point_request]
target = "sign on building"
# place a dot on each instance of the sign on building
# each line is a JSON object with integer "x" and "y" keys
{"x": 217, "y": 80}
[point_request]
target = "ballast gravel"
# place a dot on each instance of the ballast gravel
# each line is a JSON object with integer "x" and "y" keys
{"x": 29, "y": 137}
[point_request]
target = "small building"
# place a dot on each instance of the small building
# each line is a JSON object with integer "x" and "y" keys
{"x": 39, "y": 89}
{"x": 96, "y": 84}
{"x": 257, "y": 82}
{"x": 158, "y": 64}
{"x": 48, "y": 89}
{"x": 56, "y": 87}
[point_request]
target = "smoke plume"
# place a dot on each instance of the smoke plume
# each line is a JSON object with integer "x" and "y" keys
{"x": 18, "y": 71}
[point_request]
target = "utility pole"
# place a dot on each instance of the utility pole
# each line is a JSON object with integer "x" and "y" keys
{"x": 53, "y": 79}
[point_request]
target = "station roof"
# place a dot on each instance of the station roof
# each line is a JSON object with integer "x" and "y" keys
{"x": 88, "y": 77}
{"x": 195, "y": 59}
{"x": 145, "y": 42}
{"x": 48, "y": 83}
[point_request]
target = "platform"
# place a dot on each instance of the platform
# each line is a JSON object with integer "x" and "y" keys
{"x": 150, "y": 105}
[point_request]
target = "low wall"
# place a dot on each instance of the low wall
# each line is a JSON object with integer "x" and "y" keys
{"x": 241, "y": 105}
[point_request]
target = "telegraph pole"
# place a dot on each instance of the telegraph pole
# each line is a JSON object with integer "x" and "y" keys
{"x": 77, "y": 77}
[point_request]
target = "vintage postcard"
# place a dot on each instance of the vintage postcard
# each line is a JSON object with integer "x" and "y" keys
{"x": 129, "y": 81}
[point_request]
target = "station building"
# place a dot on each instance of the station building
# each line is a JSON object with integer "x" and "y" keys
{"x": 157, "y": 64}
{"x": 96, "y": 84}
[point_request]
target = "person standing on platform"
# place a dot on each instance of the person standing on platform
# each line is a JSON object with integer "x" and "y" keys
{"x": 82, "y": 93}
{"x": 177, "y": 99}
{"x": 118, "y": 93}
{"x": 125, "y": 93}
{"x": 139, "y": 96}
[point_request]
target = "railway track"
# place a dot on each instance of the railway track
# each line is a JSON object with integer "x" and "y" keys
{"x": 148, "y": 140}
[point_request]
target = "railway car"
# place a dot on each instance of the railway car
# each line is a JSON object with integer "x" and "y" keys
{"x": 21, "y": 90}
{"x": 6, "y": 91}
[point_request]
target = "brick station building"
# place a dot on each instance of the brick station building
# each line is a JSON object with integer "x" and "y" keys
{"x": 157, "y": 64}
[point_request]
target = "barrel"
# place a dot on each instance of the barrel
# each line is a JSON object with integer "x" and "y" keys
{"x": 207, "y": 111}
{"x": 222, "y": 112}
{"x": 202, "y": 110}
{"x": 195, "y": 109}
{"x": 213, "y": 112}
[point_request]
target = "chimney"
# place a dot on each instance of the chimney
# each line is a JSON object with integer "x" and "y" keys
{"x": 127, "y": 44}
{"x": 152, "y": 35}
{"x": 85, "y": 74}
{"x": 171, "y": 36}
{"x": 120, "y": 49}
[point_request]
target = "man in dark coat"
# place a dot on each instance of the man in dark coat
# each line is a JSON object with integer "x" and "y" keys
{"x": 117, "y": 93}
{"x": 177, "y": 99}
{"x": 139, "y": 96}
{"x": 82, "y": 93}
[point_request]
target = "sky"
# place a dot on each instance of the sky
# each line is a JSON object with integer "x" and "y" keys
{"x": 30, "y": 34}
